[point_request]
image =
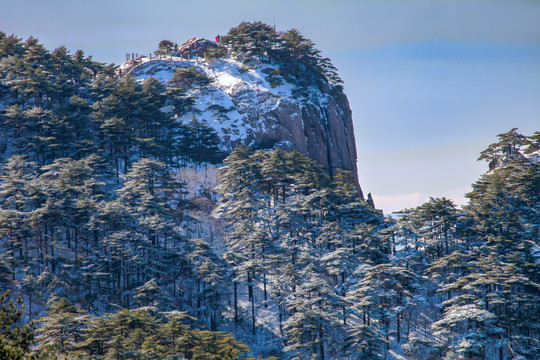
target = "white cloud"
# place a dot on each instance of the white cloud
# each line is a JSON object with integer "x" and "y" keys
{"x": 391, "y": 203}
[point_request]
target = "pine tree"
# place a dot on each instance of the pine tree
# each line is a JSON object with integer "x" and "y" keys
{"x": 17, "y": 209}
{"x": 79, "y": 138}
{"x": 252, "y": 39}
{"x": 61, "y": 329}
{"x": 10, "y": 45}
{"x": 314, "y": 309}
{"x": 241, "y": 204}
{"x": 434, "y": 223}
{"x": 156, "y": 128}
{"x": 15, "y": 339}
{"x": 166, "y": 47}
{"x": 151, "y": 294}
{"x": 208, "y": 268}
{"x": 188, "y": 78}
{"x": 199, "y": 142}
{"x": 380, "y": 297}
{"x": 147, "y": 214}
{"x": 69, "y": 194}
{"x": 497, "y": 271}
{"x": 490, "y": 309}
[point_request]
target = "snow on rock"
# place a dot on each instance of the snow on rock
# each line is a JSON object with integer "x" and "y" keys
{"x": 245, "y": 105}
{"x": 161, "y": 70}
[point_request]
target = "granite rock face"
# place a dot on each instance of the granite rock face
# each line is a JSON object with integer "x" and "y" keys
{"x": 195, "y": 47}
{"x": 255, "y": 106}
{"x": 322, "y": 131}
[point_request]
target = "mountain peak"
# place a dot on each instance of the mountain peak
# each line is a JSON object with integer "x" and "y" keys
{"x": 263, "y": 99}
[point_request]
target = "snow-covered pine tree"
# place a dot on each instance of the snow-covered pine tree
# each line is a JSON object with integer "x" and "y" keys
{"x": 315, "y": 312}
{"x": 492, "y": 299}
{"x": 17, "y": 206}
{"x": 381, "y": 296}
{"x": 61, "y": 329}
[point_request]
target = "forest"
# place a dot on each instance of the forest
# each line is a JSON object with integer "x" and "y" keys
{"x": 106, "y": 254}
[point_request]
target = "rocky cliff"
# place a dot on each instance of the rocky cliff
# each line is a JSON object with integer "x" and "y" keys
{"x": 257, "y": 106}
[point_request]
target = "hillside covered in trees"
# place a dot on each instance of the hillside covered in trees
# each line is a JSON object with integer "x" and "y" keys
{"x": 131, "y": 229}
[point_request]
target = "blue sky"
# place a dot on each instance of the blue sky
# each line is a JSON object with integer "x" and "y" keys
{"x": 430, "y": 83}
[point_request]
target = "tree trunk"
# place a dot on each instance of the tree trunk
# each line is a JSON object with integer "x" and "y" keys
{"x": 253, "y": 314}
{"x": 30, "y": 305}
{"x": 387, "y": 325}
{"x": 76, "y": 243}
{"x": 53, "y": 261}
{"x": 265, "y": 293}
{"x": 281, "y": 319}
{"x": 235, "y": 303}
{"x": 321, "y": 341}
{"x": 398, "y": 328}
{"x": 68, "y": 237}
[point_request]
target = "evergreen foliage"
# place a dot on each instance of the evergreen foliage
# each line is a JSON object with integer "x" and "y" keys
{"x": 300, "y": 62}
{"x": 186, "y": 78}
{"x": 293, "y": 230}
{"x": 100, "y": 241}
{"x": 166, "y": 47}
{"x": 15, "y": 339}
{"x": 141, "y": 333}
